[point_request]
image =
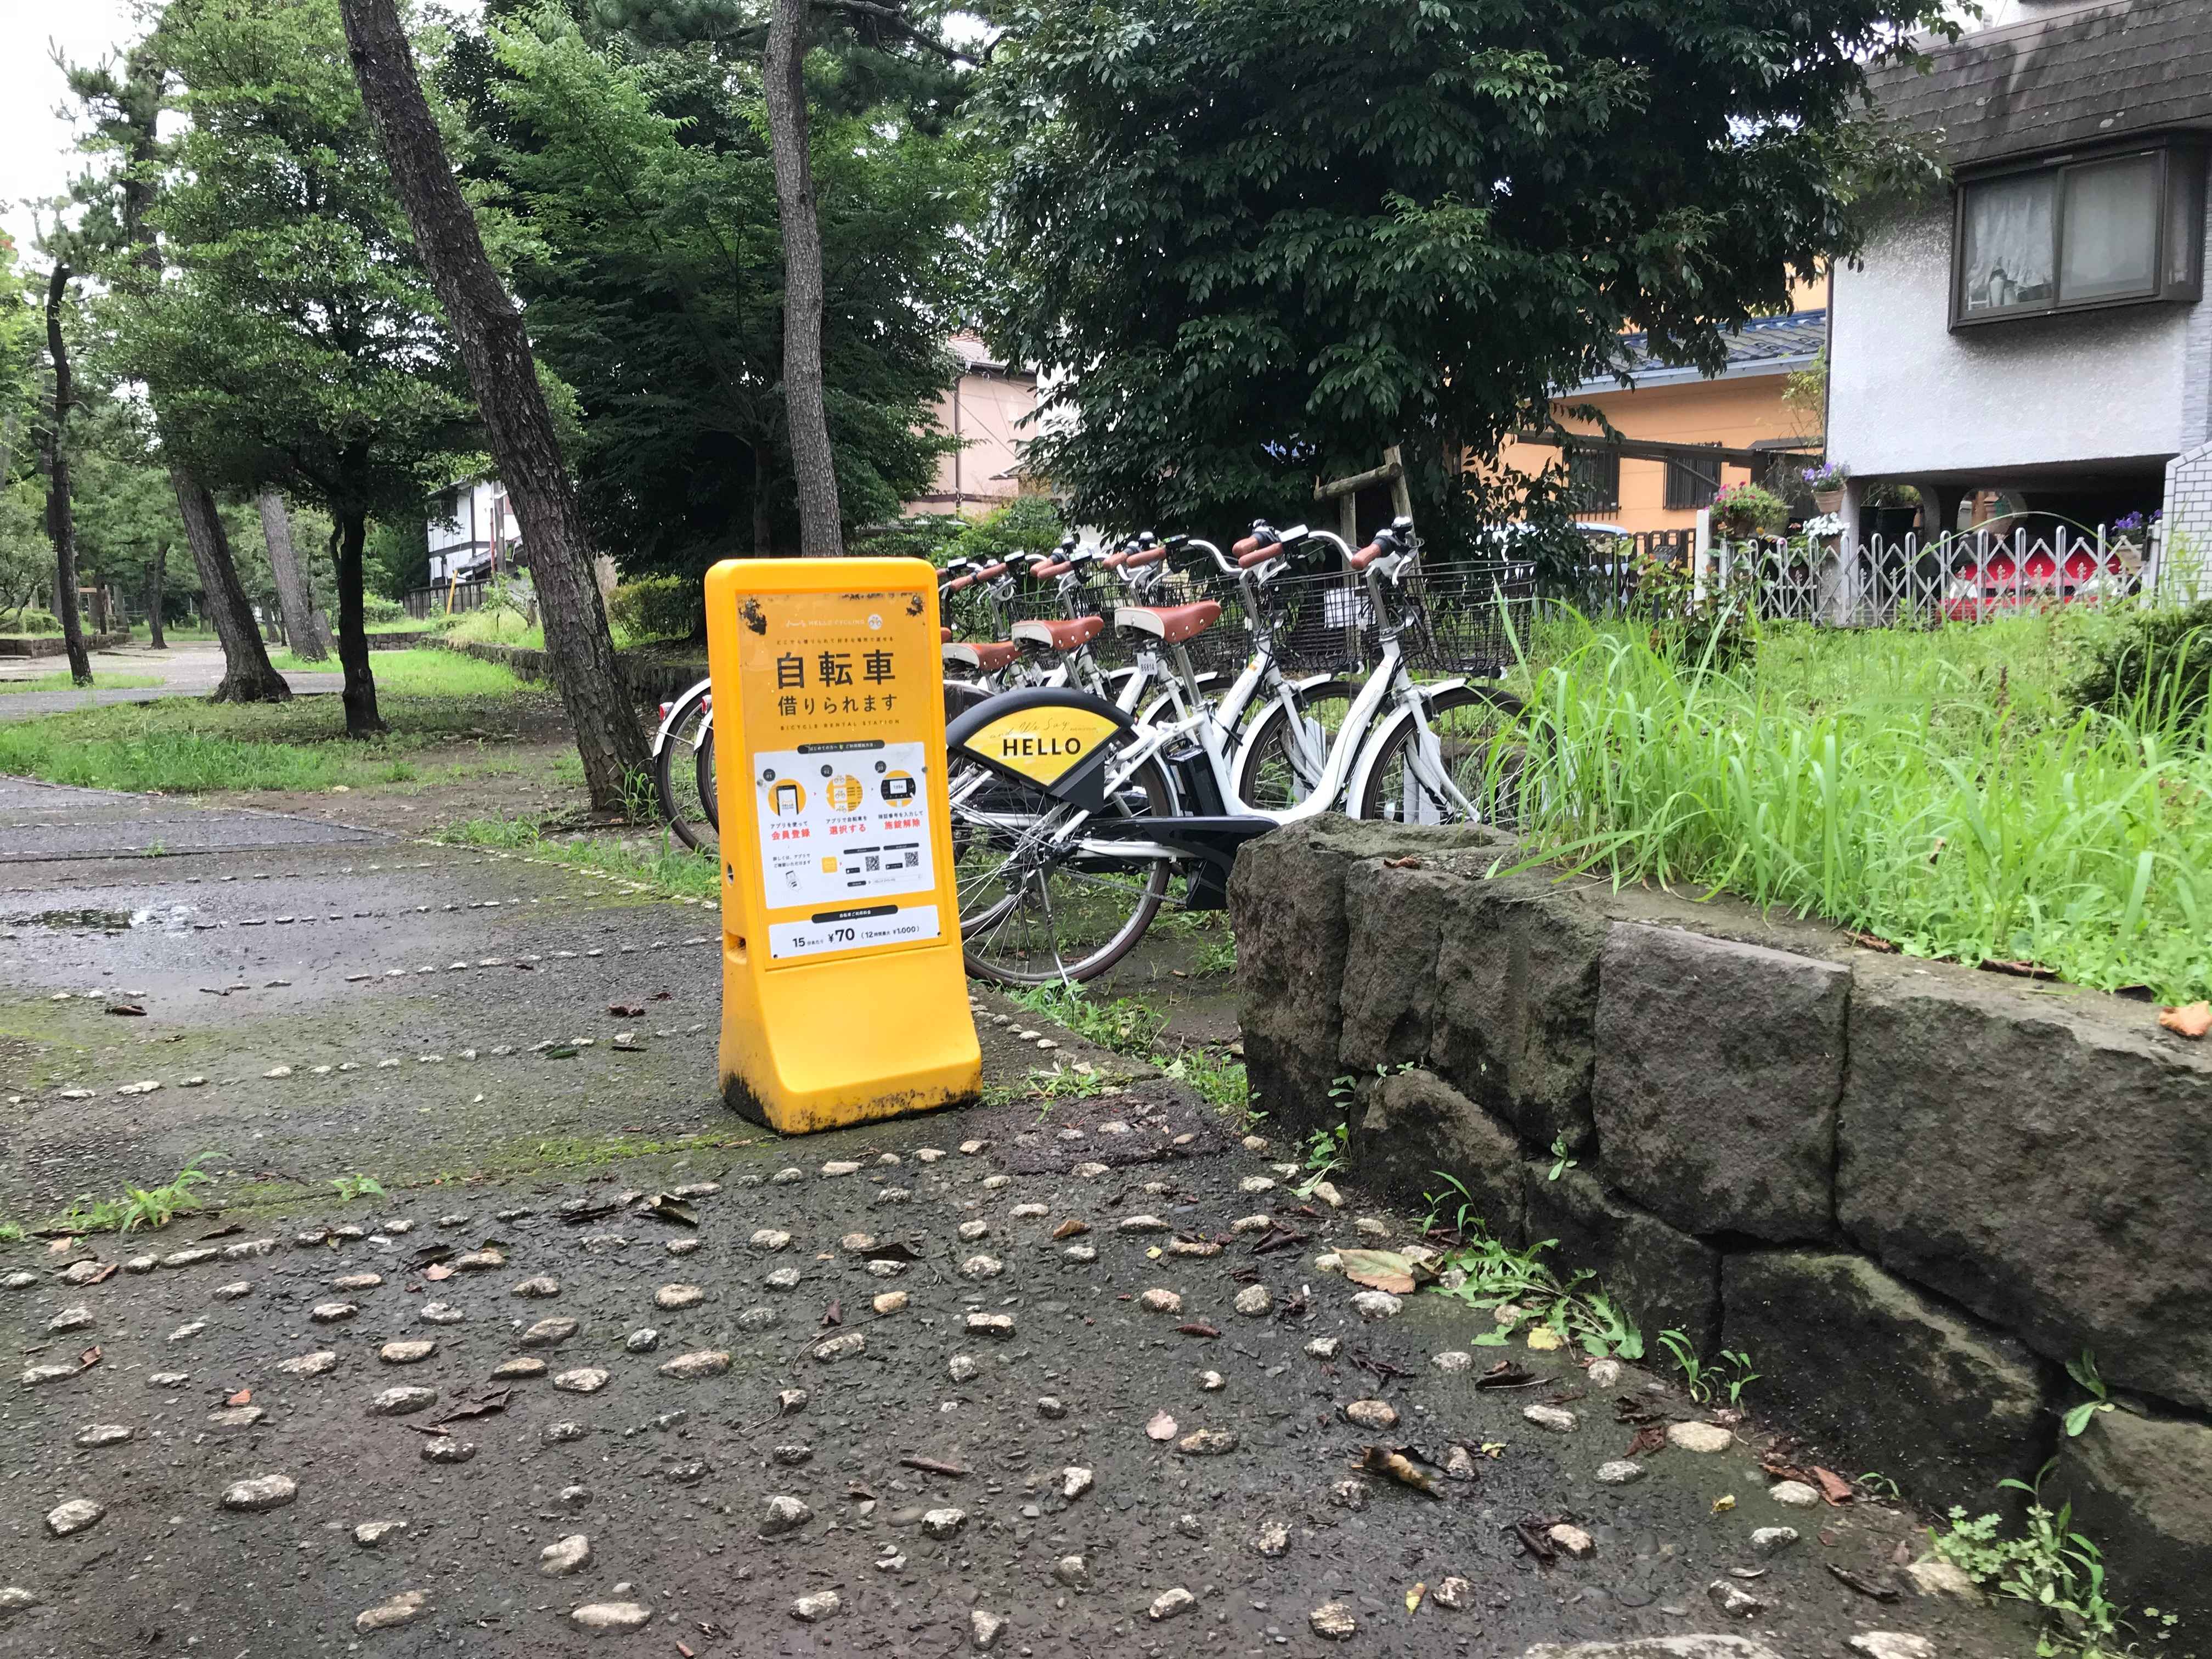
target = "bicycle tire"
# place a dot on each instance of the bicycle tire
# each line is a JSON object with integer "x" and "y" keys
{"x": 999, "y": 928}
{"x": 1266, "y": 782}
{"x": 710, "y": 799}
{"x": 1489, "y": 779}
{"x": 689, "y": 819}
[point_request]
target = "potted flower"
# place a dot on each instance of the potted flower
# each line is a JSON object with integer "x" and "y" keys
{"x": 1826, "y": 483}
{"x": 1748, "y": 509}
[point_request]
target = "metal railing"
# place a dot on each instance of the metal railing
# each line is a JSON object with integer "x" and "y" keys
{"x": 439, "y": 597}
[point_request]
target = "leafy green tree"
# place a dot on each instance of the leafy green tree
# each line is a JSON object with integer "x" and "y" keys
{"x": 300, "y": 344}
{"x": 1026, "y": 525}
{"x": 633, "y": 163}
{"x": 1254, "y": 241}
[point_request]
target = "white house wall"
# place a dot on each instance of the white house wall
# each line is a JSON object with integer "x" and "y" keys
{"x": 1907, "y": 397}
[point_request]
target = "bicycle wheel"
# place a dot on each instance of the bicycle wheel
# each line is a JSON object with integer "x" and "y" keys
{"x": 1282, "y": 760}
{"x": 1036, "y": 906}
{"x": 676, "y": 772}
{"x": 961, "y": 695}
{"x": 1480, "y": 749}
{"x": 710, "y": 801}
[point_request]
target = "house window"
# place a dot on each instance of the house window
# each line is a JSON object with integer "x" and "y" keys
{"x": 2078, "y": 233}
{"x": 1692, "y": 483}
{"x": 1594, "y": 480}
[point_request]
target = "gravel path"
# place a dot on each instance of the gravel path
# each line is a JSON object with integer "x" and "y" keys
{"x": 192, "y": 669}
{"x": 1064, "y": 1377}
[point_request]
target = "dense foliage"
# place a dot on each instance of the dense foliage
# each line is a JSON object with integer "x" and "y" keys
{"x": 2149, "y": 665}
{"x": 1258, "y": 240}
{"x": 631, "y": 160}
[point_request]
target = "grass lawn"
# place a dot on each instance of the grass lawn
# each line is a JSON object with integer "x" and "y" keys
{"x": 444, "y": 711}
{"x": 654, "y": 859}
{"x": 1932, "y": 788}
{"x": 59, "y": 680}
{"x": 424, "y": 672}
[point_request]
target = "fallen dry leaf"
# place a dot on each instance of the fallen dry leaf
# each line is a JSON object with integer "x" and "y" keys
{"x": 59, "y": 1245}
{"x": 436, "y": 1272}
{"x": 1381, "y": 1460}
{"x": 931, "y": 1466}
{"x": 1651, "y": 1438}
{"x": 126, "y": 1008}
{"x": 1380, "y": 1270}
{"x": 1196, "y": 1330}
{"x": 1862, "y": 1583}
{"x": 1070, "y": 1228}
{"x": 1833, "y": 1486}
{"x": 1544, "y": 1340}
{"x": 1874, "y": 942}
{"x": 1724, "y": 1502}
{"x": 89, "y": 1358}
{"x": 2192, "y": 1019}
{"x": 625, "y": 1009}
{"x": 1162, "y": 1427}
{"x": 243, "y": 1397}
{"x": 1414, "y": 1597}
{"x": 2016, "y": 969}
{"x": 1411, "y": 861}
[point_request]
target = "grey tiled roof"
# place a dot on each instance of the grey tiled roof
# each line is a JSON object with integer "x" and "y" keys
{"x": 2076, "y": 77}
{"x": 1798, "y": 334}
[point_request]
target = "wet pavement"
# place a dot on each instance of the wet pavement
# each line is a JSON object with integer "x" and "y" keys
{"x": 191, "y": 668}
{"x": 601, "y": 1363}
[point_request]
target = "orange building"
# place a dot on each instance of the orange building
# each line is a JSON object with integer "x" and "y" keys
{"x": 1670, "y": 411}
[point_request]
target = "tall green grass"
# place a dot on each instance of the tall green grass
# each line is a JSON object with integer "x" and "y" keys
{"x": 656, "y": 860}
{"x": 1907, "y": 785}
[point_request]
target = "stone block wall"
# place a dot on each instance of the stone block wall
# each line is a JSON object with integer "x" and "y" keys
{"x": 1912, "y": 1191}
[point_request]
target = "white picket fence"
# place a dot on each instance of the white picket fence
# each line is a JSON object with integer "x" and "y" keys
{"x": 1966, "y": 576}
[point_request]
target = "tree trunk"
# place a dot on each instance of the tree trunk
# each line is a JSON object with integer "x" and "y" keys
{"x": 488, "y": 329}
{"x": 291, "y": 594}
{"x": 61, "y": 521}
{"x": 157, "y": 580}
{"x": 362, "y": 717}
{"x": 821, "y": 531}
{"x": 248, "y": 676}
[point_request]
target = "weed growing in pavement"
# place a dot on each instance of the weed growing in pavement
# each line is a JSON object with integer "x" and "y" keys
{"x": 658, "y": 862}
{"x": 2084, "y": 1372}
{"x": 350, "y": 1187}
{"x": 1125, "y": 1025}
{"x": 2049, "y": 1566}
{"x": 1217, "y": 1079}
{"x": 1486, "y": 1272}
{"x": 1881, "y": 1485}
{"x": 1217, "y": 954}
{"x": 1730, "y": 1374}
{"x": 1560, "y": 1162}
{"x": 1063, "y": 1083}
{"x": 11, "y": 1232}
{"x": 1465, "y": 1220}
{"x": 149, "y": 1208}
{"x": 1325, "y": 1155}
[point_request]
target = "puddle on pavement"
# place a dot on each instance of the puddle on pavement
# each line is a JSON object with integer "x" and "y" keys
{"x": 169, "y": 918}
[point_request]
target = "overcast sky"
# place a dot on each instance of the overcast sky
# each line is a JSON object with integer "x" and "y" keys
{"x": 35, "y": 157}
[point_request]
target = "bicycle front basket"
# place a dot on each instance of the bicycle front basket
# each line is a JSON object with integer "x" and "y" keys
{"x": 1462, "y": 618}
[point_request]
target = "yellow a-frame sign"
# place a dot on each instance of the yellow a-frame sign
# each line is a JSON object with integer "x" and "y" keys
{"x": 843, "y": 994}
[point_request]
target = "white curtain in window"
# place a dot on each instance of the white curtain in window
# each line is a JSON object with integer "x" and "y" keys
{"x": 2008, "y": 252}
{"x": 2111, "y": 229}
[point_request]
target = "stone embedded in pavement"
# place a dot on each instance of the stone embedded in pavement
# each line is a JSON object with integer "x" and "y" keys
{"x": 1892, "y": 1644}
{"x": 1254, "y": 1302}
{"x": 1552, "y": 1419}
{"x": 567, "y": 1555}
{"x": 399, "y": 1403}
{"x": 942, "y": 1523}
{"x": 548, "y": 1333}
{"x": 608, "y": 1618}
{"x": 404, "y": 1608}
{"x": 445, "y": 1450}
{"x": 75, "y": 1515}
{"x": 1734, "y": 1600}
{"x": 370, "y": 1534}
{"x": 813, "y": 1609}
{"x": 235, "y": 1416}
{"x": 840, "y": 1347}
{"x": 982, "y": 1267}
{"x": 1375, "y": 1414}
{"x": 1207, "y": 1443}
{"x": 962, "y": 1367}
{"x": 706, "y": 1362}
{"x": 440, "y": 1313}
{"x": 1573, "y": 1541}
{"x": 540, "y": 1286}
{"x": 1332, "y": 1621}
{"x": 771, "y": 1238}
{"x": 1620, "y": 1472}
{"x": 984, "y": 1630}
{"x": 263, "y": 1492}
{"x": 1074, "y": 1482}
{"x": 585, "y": 1379}
{"x": 890, "y": 1302}
{"x": 1793, "y": 1494}
{"x": 1051, "y": 1405}
{"x": 1941, "y": 1578}
{"x": 989, "y": 1324}
{"x": 103, "y": 1434}
{"x": 1160, "y": 1302}
{"x": 356, "y": 1281}
{"x": 1772, "y": 1540}
{"x": 840, "y": 1166}
{"x": 679, "y": 1296}
{"x": 1074, "y": 1572}
{"x": 521, "y": 1366}
{"x": 477, "y": 1261}
{"x": 1699, "y": 1438}
{"x": 783, "y": 1515}
{"x": 332, "y": 1313}
{"x": 1323, "y": 1347}
{"x": 1376, "y": 1304}
{"x": 1141, "y": 1224}
{"x": 318, "y": 1364}
{"x": 1271, "y": 1537}
{"x": 972, "y": 1230}
{"x": 38, "y": 1375}
{"x": 1171, "y": 1603}
{"x": 407, "y": 1354}
{"x": 69, "y": 1319}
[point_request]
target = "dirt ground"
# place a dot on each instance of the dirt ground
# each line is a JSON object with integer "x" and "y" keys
{"x": 203, "y": 1454}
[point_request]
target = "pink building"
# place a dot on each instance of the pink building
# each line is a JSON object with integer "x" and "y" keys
{"x": 984, "y": 409}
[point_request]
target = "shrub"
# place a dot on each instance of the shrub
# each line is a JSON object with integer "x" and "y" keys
{"x": 2155, "y": 666}
{"x": 1026, "y": 524}
{"x": 374, "y": 609}
{"x": 659, "y": 608}
{"x": 1749, "y": 509}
